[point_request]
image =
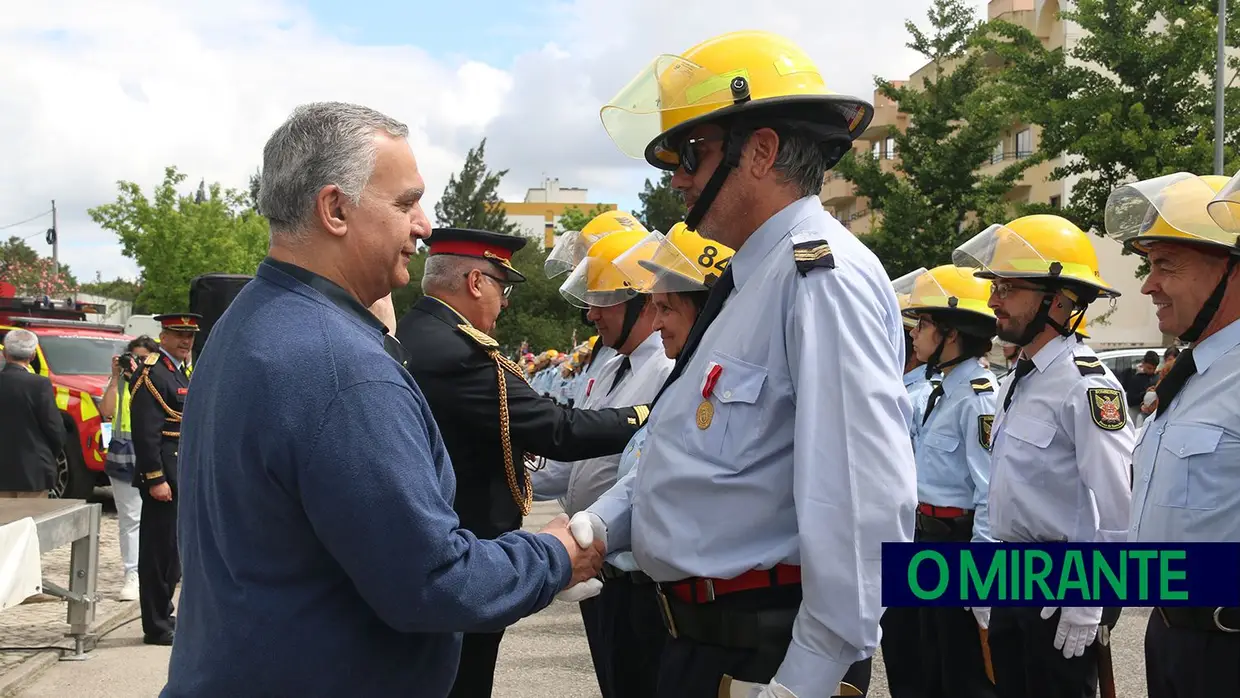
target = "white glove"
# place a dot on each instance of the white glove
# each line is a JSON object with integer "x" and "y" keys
{"x": 982, "y": 615}
{"x": 585, "y": 527}
{"x": 581, "y": 591}
{"x": 1077, "y": 628}
{"x": 746, "y": 689}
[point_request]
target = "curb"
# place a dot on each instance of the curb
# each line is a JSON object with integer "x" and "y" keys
{"x": 27, "y": 670}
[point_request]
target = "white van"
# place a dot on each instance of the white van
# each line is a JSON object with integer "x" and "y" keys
{"x": 139, "y": 325}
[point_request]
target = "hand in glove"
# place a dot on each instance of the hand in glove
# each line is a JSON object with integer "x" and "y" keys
{"x": 733, "y": 688}
{"x": 586, "y": 528}
{"x": 1077, "y": 628}
{"x": 982, "y": 615}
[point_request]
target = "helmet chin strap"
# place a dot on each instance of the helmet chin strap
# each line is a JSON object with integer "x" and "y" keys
{"x": 632, "y": 311}
{"x": 1210, "y": 307}
{"x": 934, "y": 365}
{"x": 733, "y": 145}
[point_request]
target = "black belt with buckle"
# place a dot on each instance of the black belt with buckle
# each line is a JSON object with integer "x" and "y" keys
{"x": 933, "y": 528}
{"x": 711, "y": 624}
{"x": 1219, "y": 619}
{"x": 611, "y": 572}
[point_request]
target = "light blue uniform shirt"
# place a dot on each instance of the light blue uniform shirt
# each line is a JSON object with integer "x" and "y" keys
{"x": 806, "y": 460}
{"x": 918, "y": 387}
{"x": 1187, "y": 461}
{"x": 953, "y": 447}
{"x": 624, "y": 559}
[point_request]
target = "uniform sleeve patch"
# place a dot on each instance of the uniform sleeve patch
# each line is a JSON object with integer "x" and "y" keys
{"x": 1106, "y": 407}
{"x": 812, "y": 254}
{"x": 985, "y": 423}
{"x": 982, "y": 385}
{"x": 1089, "y": 366}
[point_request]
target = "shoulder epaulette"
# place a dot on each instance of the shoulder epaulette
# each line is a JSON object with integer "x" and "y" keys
{"x": 478, "y": 336}
{"x": 982, "y": 385}
{"x": 152, "y": 358}
{"x": 812, "y": 254}
{"x": 1089, "y": 365}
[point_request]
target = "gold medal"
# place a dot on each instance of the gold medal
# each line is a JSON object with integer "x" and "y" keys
{"x": 705, "y": 412}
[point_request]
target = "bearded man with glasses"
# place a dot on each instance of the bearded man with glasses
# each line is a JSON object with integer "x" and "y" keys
{"x": 489, "y": 416}
{"x": 1061, "y": 442}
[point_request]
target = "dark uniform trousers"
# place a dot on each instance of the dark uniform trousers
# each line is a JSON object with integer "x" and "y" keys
{"x": 949, "y": 639}
{"x": 753, "y": 631}
{"x": 1026, "y": 663}
{"x": 1192, "y": 659}
{"x": 626, "y": 634}
{"x": 159, "y": 563}
{"x": 475, "y": 674}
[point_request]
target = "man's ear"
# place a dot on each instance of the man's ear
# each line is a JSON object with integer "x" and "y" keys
{"x": 330, "y": 209}
{"x": 760, "y": 152}
{"x": 473, "y": 283}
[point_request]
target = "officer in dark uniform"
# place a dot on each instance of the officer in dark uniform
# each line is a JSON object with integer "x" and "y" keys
{"x": 491, "y": 419}
{"x": 159, "y": 389}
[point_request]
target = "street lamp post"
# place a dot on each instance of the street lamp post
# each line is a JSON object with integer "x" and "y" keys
{"x": 1220, "y": 76}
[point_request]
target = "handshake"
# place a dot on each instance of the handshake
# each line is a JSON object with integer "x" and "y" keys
{"x": 585, "y": 539}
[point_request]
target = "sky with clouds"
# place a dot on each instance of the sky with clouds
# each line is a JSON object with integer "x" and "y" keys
{"x": 95, "y": 92}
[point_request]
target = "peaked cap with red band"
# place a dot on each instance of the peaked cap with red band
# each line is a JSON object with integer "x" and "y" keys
{"x": 179, "y": 322}
{"x": 493, "y": 247}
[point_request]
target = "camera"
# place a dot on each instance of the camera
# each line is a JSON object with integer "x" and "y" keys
{"x": 128, "y": 363}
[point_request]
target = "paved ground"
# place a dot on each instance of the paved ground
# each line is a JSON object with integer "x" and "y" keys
{"x": 43, "y": 624}
{"x": 545, "y": 655}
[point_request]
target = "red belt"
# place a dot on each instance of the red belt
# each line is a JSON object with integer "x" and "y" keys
{"x": 704, "y": 590}
{"x": 942, "y": 512}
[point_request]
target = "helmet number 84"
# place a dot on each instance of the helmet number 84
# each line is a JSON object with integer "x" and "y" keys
{"x": 707, "y": 258}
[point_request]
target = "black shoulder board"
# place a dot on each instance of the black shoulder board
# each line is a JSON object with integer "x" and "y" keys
{"x": 812, "y": 254}
{"x": 982, "y": 385}
{"x": 1089, "y": 365}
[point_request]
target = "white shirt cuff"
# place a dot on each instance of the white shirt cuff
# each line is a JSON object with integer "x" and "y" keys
{"x": 810, "y": 675}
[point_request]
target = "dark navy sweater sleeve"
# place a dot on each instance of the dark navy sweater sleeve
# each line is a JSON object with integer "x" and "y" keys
{"x": 379, "y": 497}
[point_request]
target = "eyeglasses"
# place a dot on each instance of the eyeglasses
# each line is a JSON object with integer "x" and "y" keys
{"x": 1003, "y": 289}
{"x": 688, "y": 152}
{"x": 505, "y": 286}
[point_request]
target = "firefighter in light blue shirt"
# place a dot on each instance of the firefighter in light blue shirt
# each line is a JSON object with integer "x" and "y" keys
{"x": 919, "y": 379}
{"x": 954, "y": 329}
{"x": 1187, "y": 485}
{"x": 777, "y": 459}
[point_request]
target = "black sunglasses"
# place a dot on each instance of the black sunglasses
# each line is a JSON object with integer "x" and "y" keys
{"x": 688, "y": 152}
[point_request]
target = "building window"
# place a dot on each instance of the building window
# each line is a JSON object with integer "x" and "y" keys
{"x": 997, "y": 154}
{"x": 877, "y": 150}
{"x": 1024, "y": 143}
{"x": 891, "y": 147}
{"x": 1055, "y": 202}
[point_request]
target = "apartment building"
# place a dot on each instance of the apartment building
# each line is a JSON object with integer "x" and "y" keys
{"x": 540, "y": 212}
{"x": 1131, "y": 322}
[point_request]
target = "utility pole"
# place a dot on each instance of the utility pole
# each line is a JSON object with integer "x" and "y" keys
{"x": 1220, "y": 73}
{"x": 56, "y": 241}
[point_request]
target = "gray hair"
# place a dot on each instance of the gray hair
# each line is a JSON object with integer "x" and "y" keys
{"x": 20, "y": 345}
{"x": 800, "y": 160}
{"x": 445, "y": 273}
{"x": 319, "y": 145}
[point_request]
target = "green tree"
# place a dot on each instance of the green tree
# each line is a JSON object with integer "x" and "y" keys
{"x": 574, "y": 219}
{"x": 174, "y": 237}
{"x": 1132, "y": 99}
{"x": 471, "y": 199}
{"x": 16, "y": 250}
{"x": 662, "y": 206}
{"x": 936, "y": 195}
{"x": 118, "y": 288}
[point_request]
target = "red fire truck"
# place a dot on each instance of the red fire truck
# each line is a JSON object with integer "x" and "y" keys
{"x": 76, "y": 356}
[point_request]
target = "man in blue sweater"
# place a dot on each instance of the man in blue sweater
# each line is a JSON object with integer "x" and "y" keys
{"x": 320, "y": 552}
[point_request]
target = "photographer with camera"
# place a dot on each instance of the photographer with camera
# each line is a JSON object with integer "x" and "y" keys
{"x": 119, "y": 465}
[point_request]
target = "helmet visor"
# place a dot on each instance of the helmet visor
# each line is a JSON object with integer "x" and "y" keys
{"x": 567, "y": 253}
{"x": 904, "y": 288}
{"x": 667, "y": 92}
{"x": 928, "y": 293}
{"x": 596, "y": 282}
{"x": 1178, "y": 199}
{"x": 999, "y": 251}
{"x": 657, "y": 265}
{"x": 1225, "y": 207}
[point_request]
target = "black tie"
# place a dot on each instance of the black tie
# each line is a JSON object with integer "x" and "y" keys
{"x": 624, "y": 368}
{"x": 1023, "y": 367}
{"x": 934, "y": 398}
{"x": 1175, "y": 379}
{"x": 714, "y": 304}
